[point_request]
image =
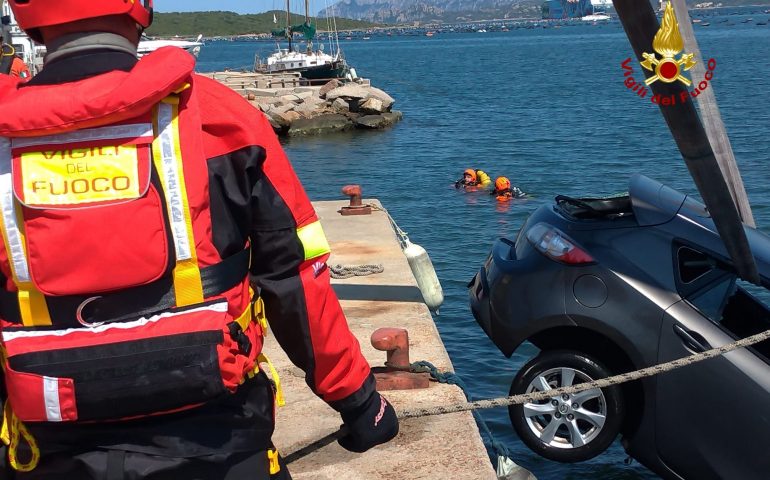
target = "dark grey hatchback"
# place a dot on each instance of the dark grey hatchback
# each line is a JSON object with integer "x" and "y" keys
{"x": 604, "y": 286}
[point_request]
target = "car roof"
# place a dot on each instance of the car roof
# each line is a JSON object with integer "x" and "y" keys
{"x": 656, "y": 204}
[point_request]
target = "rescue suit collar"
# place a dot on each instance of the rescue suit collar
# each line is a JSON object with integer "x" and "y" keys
{"x": 76, "y": 43}
{"x": 100, "y": 100}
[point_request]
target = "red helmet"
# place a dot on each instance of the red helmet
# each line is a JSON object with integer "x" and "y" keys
{"x": 33, "y": 14}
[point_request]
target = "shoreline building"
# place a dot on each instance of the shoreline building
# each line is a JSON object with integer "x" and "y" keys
{"x": 566, "y": 9}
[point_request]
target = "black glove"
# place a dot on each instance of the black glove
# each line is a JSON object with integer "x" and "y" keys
{"x": 372, "y": 423}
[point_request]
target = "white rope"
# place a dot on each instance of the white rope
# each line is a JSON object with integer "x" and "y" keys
{"x": 347, "y": 271}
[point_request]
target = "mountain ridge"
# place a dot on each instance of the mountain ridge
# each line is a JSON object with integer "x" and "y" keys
{"x": 450, "y": 11}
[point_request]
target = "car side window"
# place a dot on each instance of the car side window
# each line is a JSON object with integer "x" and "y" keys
{"x": 738, "y": 307}
{"x": 711, "y": 300}
{"x": 695, "y": 270}
{"x": 693, "y": 264}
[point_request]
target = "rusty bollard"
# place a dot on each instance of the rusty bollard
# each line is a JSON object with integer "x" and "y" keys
{"x": 395, "y": 375}
{"x": 355, "y": 207}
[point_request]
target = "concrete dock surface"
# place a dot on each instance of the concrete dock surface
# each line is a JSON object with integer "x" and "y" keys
{"x": 436, "y": 447}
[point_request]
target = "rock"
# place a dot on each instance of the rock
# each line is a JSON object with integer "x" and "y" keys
{"x": 307, "y": 109}
{"x": 340, "y": 105}
{"x": 387, "y": 100}
{"x": 351, "y": 90}
{"x": 280, "y": 125}
{"x": 313, "y": 101}
{"x": 280, "y": 108}
{"x": 371, "y": 105}
{"x": 328, "y": 87}
{"x": 277, "y": 127}
{"x": 291, "y": 98}
{"x": 371, "y": 121}
{"x": 264, "y": 92}
{"x": 378, "y": 121}
{"x": 320, "y": 124}
{"x": 251, "y": 96}
{"x": 393, "y": 116}
{"x": 305, "y": 95}
{"x": 312, "y": 90}
{"x": 290, "y": 116}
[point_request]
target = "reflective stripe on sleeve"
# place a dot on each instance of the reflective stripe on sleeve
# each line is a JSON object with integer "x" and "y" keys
{"x": 313, "y": 240}
{"x": 135, "y": 130}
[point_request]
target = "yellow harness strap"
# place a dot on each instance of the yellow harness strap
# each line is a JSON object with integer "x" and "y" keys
{"x": 9, "y": 435}
{"x": 167, "y": 156}
{"x": 259, "y": 315}
{"x": 273, "y": 376}
{"x": 272, "y": 458}
{"x": 244, "y": 318}
{"x": 32, "y": 305}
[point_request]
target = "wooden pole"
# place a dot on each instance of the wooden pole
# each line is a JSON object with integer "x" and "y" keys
{"x": 641, "y": 25}
{"x": 711, "y": 118}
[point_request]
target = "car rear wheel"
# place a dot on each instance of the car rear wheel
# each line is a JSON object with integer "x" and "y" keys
{"x": 566, "y": 428}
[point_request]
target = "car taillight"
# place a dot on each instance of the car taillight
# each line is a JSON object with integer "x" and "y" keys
{"x": 551, "y": 242}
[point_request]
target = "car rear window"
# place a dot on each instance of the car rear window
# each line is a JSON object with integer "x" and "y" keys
{"x": 594, "y": 208}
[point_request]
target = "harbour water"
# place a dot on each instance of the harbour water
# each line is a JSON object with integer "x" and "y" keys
{"x": 548, "y": 109}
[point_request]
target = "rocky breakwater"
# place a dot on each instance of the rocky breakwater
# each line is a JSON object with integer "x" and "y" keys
{"x": 335, "y": 106}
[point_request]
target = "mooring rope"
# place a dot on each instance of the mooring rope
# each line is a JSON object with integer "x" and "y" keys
{"x": 402, "y": 235}
{"x": 546, "y": 394}
{"x": 347, "y": 271}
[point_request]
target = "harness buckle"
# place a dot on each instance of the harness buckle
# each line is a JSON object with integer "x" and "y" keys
{"x": 79, "y": 313}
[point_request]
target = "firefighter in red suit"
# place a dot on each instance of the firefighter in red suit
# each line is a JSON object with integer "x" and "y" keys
{"x": 147, "y": 215}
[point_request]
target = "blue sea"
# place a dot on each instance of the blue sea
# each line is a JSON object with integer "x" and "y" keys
{"x": 547, "y": 108}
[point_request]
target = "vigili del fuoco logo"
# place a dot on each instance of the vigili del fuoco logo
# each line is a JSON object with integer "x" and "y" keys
{"x": 668, "y": 68}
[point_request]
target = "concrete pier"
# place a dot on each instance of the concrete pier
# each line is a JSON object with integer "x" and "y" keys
{"x": 437, "y": 447}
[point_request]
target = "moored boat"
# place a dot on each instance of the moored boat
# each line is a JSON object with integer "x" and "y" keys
{"x": 147, "y": 45}
{"x": 310, "y": 64}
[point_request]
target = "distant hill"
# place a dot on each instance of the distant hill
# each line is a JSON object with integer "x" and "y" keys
{"x": 452, "y": 11}
{"x": 427, "y": 11}
{"x": 229, "y": 23}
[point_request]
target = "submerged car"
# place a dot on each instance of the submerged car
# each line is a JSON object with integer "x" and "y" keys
{"x": 606, "y": 286}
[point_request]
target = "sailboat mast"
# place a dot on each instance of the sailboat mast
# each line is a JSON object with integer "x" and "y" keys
{"x": 288, "y": 23}
{"x": 307, "y": 24}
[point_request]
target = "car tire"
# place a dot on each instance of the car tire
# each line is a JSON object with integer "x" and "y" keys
{"x": 572, "y": 429}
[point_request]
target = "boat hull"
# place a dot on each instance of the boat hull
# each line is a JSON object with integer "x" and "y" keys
{"x": 335, "y": 69}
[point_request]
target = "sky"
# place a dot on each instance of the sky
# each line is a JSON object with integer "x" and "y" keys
{"x": 238, "y": 6}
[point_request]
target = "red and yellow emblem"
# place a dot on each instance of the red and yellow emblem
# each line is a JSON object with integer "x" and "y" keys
{"x": 668, "y": 43}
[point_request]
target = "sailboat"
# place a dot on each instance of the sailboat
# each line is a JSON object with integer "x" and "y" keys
{"x": 310, "y": 64}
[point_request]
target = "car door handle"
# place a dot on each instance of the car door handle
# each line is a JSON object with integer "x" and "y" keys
{"x": 693, "y": 341}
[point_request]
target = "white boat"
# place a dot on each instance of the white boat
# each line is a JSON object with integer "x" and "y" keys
{"x": 147, "y": 45}
{"x": 595, "y": 17}
{"x": 311, "y": 64}
{"x": 316, "y": 64}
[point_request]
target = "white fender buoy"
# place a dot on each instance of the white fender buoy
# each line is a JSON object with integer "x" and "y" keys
{"x": 425, "y": 274}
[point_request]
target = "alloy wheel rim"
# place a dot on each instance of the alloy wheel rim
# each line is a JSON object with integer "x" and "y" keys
{"x": 566, "y": 421}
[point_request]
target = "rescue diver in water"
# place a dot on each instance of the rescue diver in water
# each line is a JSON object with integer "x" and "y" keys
{"x": 473, "y": 180}
{"x": 504, "y": 191}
